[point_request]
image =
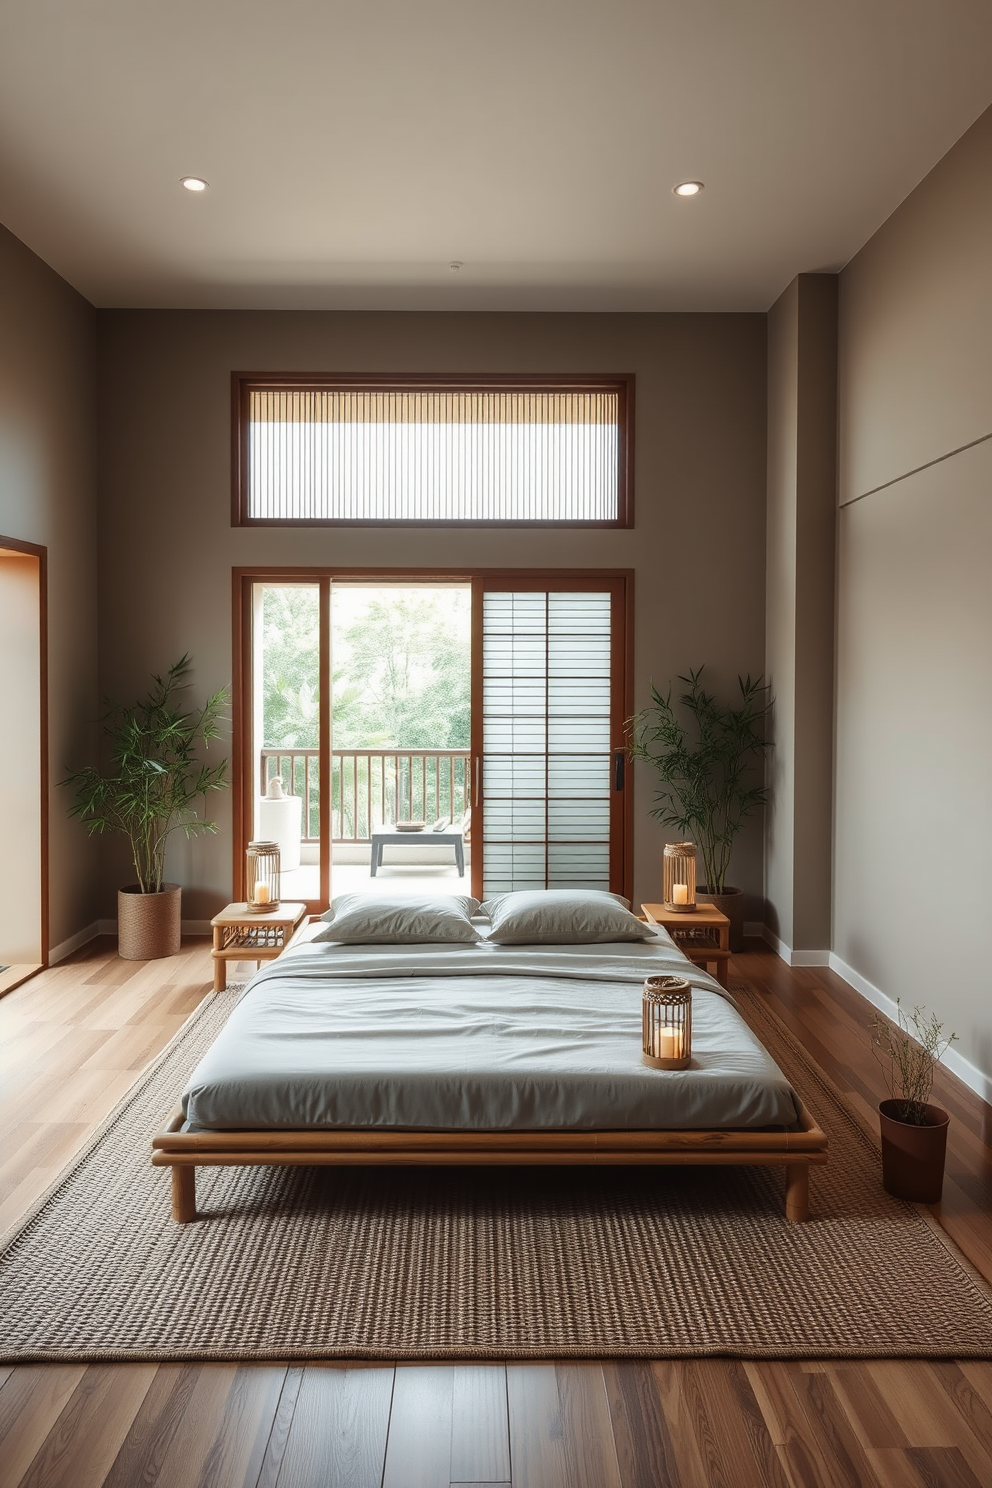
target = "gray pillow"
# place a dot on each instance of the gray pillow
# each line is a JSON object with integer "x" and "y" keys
{"x": 359, "y": 919}
{"x": 561, "y": 917}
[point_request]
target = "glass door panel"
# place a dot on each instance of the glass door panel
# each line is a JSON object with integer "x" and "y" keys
{"x": 547, "y": 730}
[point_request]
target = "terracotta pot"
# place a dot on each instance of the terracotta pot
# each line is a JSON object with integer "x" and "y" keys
{"x": 913, "y": 1156}
{"x": 148, "y": 925}
{"x": 730, "y": 903}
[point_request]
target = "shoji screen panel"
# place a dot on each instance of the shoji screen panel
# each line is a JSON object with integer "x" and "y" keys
{"x": 549, "y": 723}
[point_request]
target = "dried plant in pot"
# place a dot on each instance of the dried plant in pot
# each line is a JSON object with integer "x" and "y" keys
{"x": 152, "y": 789}
{"x": 706, "y": 755}
{"x": 914, "y": 1132}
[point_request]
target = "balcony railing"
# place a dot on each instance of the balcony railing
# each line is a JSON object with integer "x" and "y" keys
{"x": 371, "y": 788}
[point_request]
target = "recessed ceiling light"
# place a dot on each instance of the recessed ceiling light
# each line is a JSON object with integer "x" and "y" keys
{"x": 455, "y": 265}
{"x": 688, "y": 188}
{"x": 193, "y": 183}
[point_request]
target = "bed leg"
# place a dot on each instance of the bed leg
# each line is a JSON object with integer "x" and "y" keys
{"x": 183, "y": 1193}
{"x": 797, "y": 1191}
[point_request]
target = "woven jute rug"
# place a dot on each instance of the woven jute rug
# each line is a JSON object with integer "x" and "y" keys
{"x": 399, "y": 1263}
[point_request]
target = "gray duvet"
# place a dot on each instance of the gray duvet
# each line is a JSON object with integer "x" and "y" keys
{"x": 482, "y": 1038}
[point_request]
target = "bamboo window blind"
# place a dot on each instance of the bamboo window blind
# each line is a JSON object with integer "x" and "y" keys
{"x": 409, "y": 455}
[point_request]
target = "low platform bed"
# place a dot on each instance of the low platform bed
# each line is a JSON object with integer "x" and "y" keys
{"x": 480, "y": 1055}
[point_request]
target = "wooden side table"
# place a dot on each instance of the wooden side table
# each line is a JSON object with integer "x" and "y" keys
{"x": 240, "y": 935}
{"x": 703, "y": 935}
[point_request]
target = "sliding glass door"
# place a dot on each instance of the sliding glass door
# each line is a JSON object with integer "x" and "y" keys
{"x": 356, "y": 713}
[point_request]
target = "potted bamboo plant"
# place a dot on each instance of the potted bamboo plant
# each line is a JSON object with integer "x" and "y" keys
{"x": 152, "y": 789}
{"x": 706, "y": 767}
{"x": 914, "y": 1132}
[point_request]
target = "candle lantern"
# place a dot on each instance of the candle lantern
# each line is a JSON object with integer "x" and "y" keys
{"x": 678, "y": 887}
{"x": 667, "y": 1023}
{"x": 262, "y": 876}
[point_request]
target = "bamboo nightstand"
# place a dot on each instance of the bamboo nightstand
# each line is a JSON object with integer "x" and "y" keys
{"x": 240, "y": 935}
{"x": 703, "y": 935}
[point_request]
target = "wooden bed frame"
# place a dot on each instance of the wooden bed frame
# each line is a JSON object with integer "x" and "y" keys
{"x": 184, "y": 1152}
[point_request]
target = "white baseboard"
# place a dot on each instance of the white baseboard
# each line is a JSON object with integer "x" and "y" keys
{"x": 969, "y": 1074}
{"x": 189, "y": 927}
{"x": 788, "y": 955}
{"x": 66, "y": 947}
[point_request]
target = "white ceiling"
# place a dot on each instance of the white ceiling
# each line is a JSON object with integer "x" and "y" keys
{"x": 355, "y": 147}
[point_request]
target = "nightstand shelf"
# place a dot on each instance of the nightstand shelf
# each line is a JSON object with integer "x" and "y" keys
{"x": 242, "y": 935}
{"x": 703, "y": 935}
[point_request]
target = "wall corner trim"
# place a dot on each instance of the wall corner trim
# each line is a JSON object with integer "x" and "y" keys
{"x": 66, "y": 947}
{"x": 969, "y": 1074}
{"x": 791, "y": 957}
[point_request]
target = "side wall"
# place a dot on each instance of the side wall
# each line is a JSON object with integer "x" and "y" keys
{"x": 913, "y": 870}
{"x": 48, "y": 496}
{"x": 799, "y": 634}
{"x": 167, "y": 547}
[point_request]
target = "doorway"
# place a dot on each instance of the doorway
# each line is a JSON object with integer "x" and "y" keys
{"x": 412, "y": 733}
{"x": 24, "y": 785}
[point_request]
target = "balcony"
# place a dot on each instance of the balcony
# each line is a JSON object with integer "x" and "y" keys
{"x": 371, "y": 788}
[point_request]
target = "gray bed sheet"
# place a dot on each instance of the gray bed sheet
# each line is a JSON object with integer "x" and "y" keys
{"x": 477, "y": 1038}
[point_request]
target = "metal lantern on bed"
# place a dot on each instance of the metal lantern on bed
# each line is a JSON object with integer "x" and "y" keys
{"x": 262, "y": 877}
{"x": 667, "y": 1023}
{"x": 678, "y": 887}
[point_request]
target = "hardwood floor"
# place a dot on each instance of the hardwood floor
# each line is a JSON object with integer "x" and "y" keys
{"x": 72, "y": 1041}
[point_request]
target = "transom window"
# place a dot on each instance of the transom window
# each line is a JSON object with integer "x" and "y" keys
{"x": 369, "y": 451}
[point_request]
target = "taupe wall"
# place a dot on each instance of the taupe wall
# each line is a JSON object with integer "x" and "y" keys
{"x": 913, "y": 871}
{"x": 47, "y": 496}
{"x": 799, "y": 617}
{"x": 167, "y": 547}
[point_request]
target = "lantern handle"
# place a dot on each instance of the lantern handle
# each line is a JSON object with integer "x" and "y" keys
{"x": 619, "y": 760}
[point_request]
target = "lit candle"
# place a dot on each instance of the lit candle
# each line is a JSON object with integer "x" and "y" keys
{"x": 680, "y": 893}
{"x": 262, "y": 893}
{"x": 667, "y": 1043}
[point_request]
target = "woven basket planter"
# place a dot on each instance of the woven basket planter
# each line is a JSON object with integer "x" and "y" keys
{"x": 148, "y": 925}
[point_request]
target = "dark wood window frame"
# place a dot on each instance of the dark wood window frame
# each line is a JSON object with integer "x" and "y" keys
{"x": 620, "y": 580}
{"x": 243, "y": 384}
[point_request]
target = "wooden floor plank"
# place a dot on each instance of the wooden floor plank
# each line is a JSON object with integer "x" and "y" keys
{"x": 199, "y": 1425}
{"x": 943, "y": 1467}
{"x": 590, "y": 1451}
{"x": 337, "y": 1435}
{"x": 865, "y": 1407}
{"x": 777, "y": 1389}
{"x": 480, "y": 1425}
{"x": 275, "y": 1447}
{"x": 32, "y": 1399}
{"x": 537, "y": 1444}
{"x": 80, "y": 1449}
{"x": 645, "y": 1452}
{"x": 669, "y": 1386}
{"x": 418, "y": 1454}
{"x": 836, "y": 1442}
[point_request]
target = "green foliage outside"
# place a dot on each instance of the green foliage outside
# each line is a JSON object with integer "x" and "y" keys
{"x": 401, "y": 668}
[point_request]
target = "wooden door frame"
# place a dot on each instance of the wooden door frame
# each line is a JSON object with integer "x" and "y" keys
{"x": 242, "y": 743}
{"x": 40, "y": 552}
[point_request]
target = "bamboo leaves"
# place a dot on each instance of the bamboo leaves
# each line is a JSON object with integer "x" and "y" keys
{"x": 155, "y": 779}
{"x": 703, "y": 769}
